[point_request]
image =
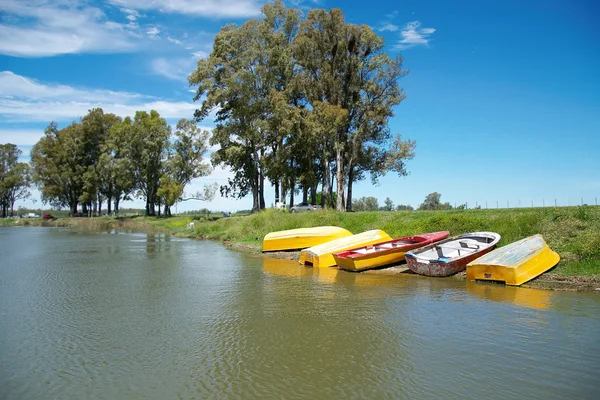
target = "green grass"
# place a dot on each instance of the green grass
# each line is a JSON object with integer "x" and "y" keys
{"x": 574, "y": 232}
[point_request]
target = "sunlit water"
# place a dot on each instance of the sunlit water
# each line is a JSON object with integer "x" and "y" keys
{"x": 90, "y": 315}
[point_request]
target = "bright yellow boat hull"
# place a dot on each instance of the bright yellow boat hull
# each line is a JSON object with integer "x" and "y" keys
{"x": 515, "y": 263}
{"x": 302, "y": 238}
{"x": 322, "y": 255}
{"x": 369, "y": 261}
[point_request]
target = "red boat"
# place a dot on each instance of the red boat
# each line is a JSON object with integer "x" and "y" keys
{"x": 451, "y": 255}
{"x": 384, "y": 253}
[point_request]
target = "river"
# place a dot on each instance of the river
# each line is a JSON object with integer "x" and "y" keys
{"x": 120, "y": 315}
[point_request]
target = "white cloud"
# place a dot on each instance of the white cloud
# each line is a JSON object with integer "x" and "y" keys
{"x": 132, "y": 15}
{"x": 389, "y": 27}
{"x": 174, "y": 41}
{"x": 24, "y": 99}
{"x": 209, "y": 8}
{"x": 153, "y": 32}
{"x": 177, "y": 69}
{"x": 413, "y": 35}
{"x": 38, "y": 28}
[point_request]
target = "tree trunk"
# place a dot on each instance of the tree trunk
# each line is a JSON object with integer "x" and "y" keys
{"x": 277, "y": 198}
{"x": 339, "y": 159}
{"x": 313, "y": 193}
{"x": 326, "y": 184}
{"x": 117, "y": 200}
{"x": 305, "y": 193}
{"x": 261, "y": 189}
{"x": 349, "y": 197}
{"x": 108, "y": 205}
{"x": 292, "y": 190}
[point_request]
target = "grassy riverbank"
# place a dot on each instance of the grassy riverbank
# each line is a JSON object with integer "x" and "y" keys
{"x": 574, "y": 232}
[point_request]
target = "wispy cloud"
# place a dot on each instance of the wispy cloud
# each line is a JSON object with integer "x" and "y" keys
{"x": 389, "y": 27}
{"x": 23, "y": 99}
{"x": 38, "y": 28}
{"x": 413, "y": 35}
{"x": 209, "y": 8}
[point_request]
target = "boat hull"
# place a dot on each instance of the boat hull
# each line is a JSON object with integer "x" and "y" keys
{"x": 445, "y": 266}
{"x": 516, "y": 263}
{"x": 322, "y": 255}
{"x": 302, "y": 238}
{"x": 384, "y": 253}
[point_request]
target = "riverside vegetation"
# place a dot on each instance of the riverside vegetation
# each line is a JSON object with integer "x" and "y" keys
{"x": 574, "y": 232}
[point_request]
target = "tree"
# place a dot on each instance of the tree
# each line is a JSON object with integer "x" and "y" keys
{"x": 147, "y": 150}
{"x": 301, "y": 102}
{"x": 389, "y": 204}
{"x": 432, "y": 202}
{"x": 402, "y": 207}
{"x": 366, "y": 204}
{"x": 344, "y": 65}
{"x": 15, "y": 178}
{"x": 58, "y": 167}
{"x": 185, "y": 162}
{"x": 238, "y": 78}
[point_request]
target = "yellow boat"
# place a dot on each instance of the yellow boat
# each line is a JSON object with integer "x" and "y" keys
{"x": 322, "y": 255}
{"x": 515, "y": 263}
{"x": 302, "y": 238}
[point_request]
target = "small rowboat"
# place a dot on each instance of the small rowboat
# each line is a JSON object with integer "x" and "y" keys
{"x": 451, "y": 255}
{"x": 516, "y": 263}
{"x": 302, "y": 238}
{"x": 322, "y": 255}
{"x": 384, "y": 253}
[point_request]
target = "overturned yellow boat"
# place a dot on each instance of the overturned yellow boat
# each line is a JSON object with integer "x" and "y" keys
{"x": 322, "y": 255}
{"x": 515, "y": 263}
{"x": 302, "y": 238}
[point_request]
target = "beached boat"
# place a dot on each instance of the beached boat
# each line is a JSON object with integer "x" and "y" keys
{"x": 322, "y": 255}
{"x": 384, "y": 253}
{"x": 451, "y": 255}
{"x": 302, "y": 238}
{"x": 516, "y": 263}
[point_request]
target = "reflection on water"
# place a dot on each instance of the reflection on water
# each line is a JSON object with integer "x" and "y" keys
{"x": 523, "y": 297}
{"x": 114, "y": 315}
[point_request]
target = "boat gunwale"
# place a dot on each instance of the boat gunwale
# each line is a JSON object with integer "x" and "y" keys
{"x": 353, "y": 253}
{"x": 413, "y": 254}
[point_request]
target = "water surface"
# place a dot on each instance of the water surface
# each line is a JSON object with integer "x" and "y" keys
{"x": 112, "y": 315}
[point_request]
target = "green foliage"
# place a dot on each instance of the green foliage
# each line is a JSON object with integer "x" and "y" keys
{"x": 15, "y": 178}
{"x": 366, "y": 204}
{"x": 301, "y": 102}
{"x": 432, "y": 202}
{"x": 105, "y": 159}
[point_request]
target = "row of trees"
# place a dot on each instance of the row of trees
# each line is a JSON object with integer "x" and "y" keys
{"x": 301, "y": 102}
{"x": 15, "y": 178}
{"x": 106, "y": 159}
{"x": 371, "y": 203}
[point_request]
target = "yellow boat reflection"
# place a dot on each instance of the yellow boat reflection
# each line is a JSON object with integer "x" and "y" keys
{"x": 275, "y": 266}
{"x": 524, "y": 297}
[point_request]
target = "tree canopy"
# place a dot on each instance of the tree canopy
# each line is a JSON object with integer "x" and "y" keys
{"x": 103, "y": 158}
{"x": 301, "y": 102}
{"x": 15, "y": 178}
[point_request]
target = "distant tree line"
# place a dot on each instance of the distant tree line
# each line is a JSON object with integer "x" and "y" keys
{"x": 15, "y": 178}
{"x": 432, "y": 202}
{"x": 106, "y": 159}
{"x": 301, "y": 102}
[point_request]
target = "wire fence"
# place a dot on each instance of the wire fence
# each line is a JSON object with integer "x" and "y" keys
{"x": 552, "y": 202}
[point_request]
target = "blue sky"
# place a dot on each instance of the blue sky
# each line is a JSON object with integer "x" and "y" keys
{"x": 502, "y": 97}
